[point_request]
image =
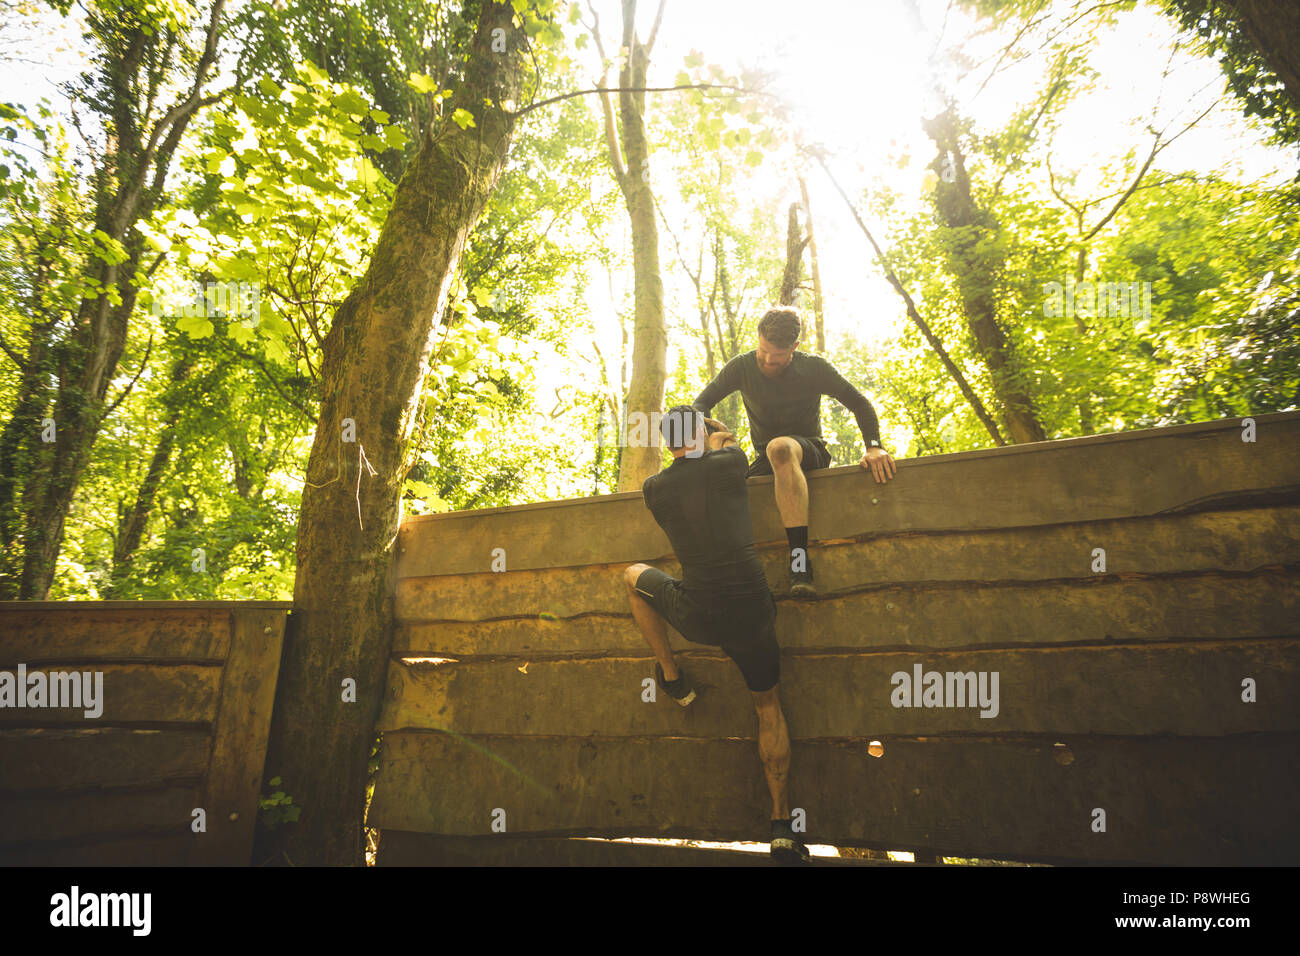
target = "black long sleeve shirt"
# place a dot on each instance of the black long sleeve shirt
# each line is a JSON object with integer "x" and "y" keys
{"x": 790, "y": 403}
{"x": 703, "y": 506}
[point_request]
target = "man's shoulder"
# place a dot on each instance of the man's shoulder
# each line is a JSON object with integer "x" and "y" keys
{"x": 732, "y": 456}
{"x": 809, "y": 362}
{"x": 648, "y": 485}
{"x": 742, "y": 360}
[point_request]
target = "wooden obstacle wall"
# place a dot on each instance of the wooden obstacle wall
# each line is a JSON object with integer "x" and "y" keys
{"x": 1119, "y": 690}
{"x": 187, "y": 695}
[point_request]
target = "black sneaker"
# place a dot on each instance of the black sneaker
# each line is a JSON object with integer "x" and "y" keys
{"x": 681, "y": 690}
{"x": 786, "y": 845}
{"x": 801, "y": 583}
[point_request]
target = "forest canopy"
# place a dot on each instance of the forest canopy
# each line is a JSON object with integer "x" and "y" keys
{"x": 1094, "y": 208}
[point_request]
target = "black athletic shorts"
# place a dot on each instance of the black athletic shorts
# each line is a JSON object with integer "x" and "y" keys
{"x": 745, "y": 629}
{"x": 815, "y": 456}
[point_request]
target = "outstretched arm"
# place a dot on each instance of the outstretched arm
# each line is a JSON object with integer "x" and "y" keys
{"x": 723, "y": 384}
{"x": 876, "y": 458}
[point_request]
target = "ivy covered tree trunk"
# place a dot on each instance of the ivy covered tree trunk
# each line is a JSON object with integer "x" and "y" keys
{"x": 376, "y": 357}
{"x": 816, "y": 272}
{"x": 792, "y": 275}
{"x": 969, "y": 236}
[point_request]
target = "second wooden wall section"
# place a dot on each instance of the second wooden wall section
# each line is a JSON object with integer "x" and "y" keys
{"x": 1124, "y": 690}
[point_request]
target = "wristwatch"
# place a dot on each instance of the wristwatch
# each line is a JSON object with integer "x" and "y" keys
{"x": 873, "y": 444}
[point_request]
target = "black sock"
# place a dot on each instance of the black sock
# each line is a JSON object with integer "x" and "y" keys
{"x": 798, "y": 537}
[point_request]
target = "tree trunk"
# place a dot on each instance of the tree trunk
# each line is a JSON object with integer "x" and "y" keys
{"x": 630, "y": 160}
{"x": 816, "y": 273}
{"x": 20, "y": 445}
{"x": 1086, "y": 420}
{"x": 87, "y": 364}
{"x": 375, "y": 359}
{"x": 794, "y": 243}
{"x": 133, "y": 521}
{"x": 968, "y": 240}
{"x": 1273, "y": 26}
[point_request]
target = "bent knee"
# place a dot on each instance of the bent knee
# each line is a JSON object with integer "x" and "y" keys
{"x": 632, "y": 572}
{"x": 782, "y": 451}
{"x": 767, "y": 702}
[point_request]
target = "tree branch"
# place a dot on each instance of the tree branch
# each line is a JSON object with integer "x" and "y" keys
{"x": 637, "y": 89}
{"x": 127, "y": 391}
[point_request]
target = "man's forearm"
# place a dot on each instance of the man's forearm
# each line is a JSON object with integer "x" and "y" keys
{"x": 870, "y": 428}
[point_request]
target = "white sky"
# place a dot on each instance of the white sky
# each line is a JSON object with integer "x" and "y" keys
{"x": 855, "y": 75}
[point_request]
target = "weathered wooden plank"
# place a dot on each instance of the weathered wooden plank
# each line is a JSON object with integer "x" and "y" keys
{"x": 1189, "y": 689}
{"x": 52, "y": 760}
{"x": 132, "y": 693}
{"x": 36, "y": 636}
{"x": 145, "y": 849}
{"x": 234, "y": 779}
{"x": 35, "y": 819}
{"x": 400, "y": 848}
{"x": 937, "y": 614}
{"x": 1213, "y": 801}
{"x": 7, "y": 606}
{"x": 1081, "y": 479}
{"x": 1236, "y": 540}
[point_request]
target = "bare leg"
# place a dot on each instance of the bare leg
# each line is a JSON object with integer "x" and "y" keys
{"x": 791, "y": 487}
{"x": 652, "y": 626}
{"x": 774, "y": 749}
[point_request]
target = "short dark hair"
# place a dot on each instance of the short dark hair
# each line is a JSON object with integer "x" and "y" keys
{"x": 781, "y": 326}
{"x": 679, "y": 425}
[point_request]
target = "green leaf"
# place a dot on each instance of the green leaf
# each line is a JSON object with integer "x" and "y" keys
{"x": 269, "y": 87}
{"x": 753, "y": 157}
{"x": 394, "y": 138}
{"x": 276, "y": 781}
{"x": 312, "y": 73}
{"x": 351, "y": 103}
{"x": 421, "y": 83}
{"x": 463, "y": 118}
{"x": 195, "y": 327}
{"x": 421, "y": 489}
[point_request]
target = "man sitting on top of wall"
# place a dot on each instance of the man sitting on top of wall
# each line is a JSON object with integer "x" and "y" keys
{"x": 782, "y": 389}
